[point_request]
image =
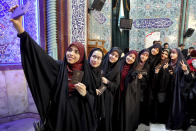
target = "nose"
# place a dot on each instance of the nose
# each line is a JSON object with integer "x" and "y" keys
{"x": 95, "y": 59}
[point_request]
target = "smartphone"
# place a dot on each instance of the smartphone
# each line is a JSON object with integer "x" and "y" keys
{"x": 21, "y": 10}
{"x": 77, "y": 77}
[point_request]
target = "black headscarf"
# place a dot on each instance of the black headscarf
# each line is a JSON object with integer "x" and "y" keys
{"x": 96, "y": 72}
{"x": 111, "y": 69}
{"x": 154, "y": 59}
{"x": 138, "y": 60}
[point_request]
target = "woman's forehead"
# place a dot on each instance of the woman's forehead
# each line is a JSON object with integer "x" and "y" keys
{"x": 145, "y": 53}
{"x": 131, "y": 54}
{"x": 97, "y": 52}
{"x": 115, "y": 52}
{"x": 174, "y": 51}
{"x": 73, "y": 47}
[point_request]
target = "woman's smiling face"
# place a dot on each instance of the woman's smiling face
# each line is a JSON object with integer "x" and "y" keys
{"x": 72, "y": 55}
{"x": 155, "y": 51}
{"x": 174, "y": 54}
{"x": 113, "y": 57}
{"x": 144, "y": 56}
{"x": 130, "y": 59}
{"x": 164, "y": 55}
{"x": 96, "y": 58}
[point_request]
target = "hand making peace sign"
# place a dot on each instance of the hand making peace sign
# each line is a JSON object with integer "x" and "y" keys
{"x": 183, "y": 66}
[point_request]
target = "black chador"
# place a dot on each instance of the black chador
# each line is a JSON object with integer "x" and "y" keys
{"x": 127, "y": 104}
{"x": 111, "y": 71}
{"x": 154, "y": 59}
{"x": 61, "y": 108}
{"x": 96, "y": 75}
{"x": 161, "y": 92}
{"x": 143, "y": 85}
{"x": 178, "y": 118}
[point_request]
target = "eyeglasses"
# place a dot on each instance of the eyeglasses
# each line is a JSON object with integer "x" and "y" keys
{"x": 96, "y": 57}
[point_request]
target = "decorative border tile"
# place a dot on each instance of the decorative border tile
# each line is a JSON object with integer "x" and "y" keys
{"x": 78, "y": 21}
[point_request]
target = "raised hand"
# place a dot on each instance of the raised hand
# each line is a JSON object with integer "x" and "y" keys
{"x": 183, "y": 66}
{"x": 17, "y": 22}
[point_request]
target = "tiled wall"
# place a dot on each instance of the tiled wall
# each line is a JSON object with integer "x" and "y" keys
{"x": 77, "y": 20}
{"x": 99, "y": 22}
{"x": 14, "y": 93}
{"x": 153, "y": 9}
{"x": 148, "y": 16}
{"x": 191, "y": 41}
{"x": 100, "y": 26}
{"x": 9, "y": 43}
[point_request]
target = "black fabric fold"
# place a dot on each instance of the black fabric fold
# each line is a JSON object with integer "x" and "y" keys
{"x": 112, "y": 72}
{"x": 40, "y": 71}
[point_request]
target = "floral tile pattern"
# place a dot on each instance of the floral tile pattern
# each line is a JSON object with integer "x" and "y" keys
{"x": 153, "y": 9}
{"x": 9, "y": 43}
{"x": 100, "y": 24}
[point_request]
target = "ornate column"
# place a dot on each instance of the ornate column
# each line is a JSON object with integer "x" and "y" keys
{"x": 52, "y": 28}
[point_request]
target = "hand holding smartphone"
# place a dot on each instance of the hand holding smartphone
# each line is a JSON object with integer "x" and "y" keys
{"x": 21, "y": 10}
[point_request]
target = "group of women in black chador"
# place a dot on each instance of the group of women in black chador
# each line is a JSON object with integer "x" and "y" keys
{"x": 108, "y": 92}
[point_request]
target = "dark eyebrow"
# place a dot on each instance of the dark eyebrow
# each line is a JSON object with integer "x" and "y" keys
{"x": 76, "y": 49}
